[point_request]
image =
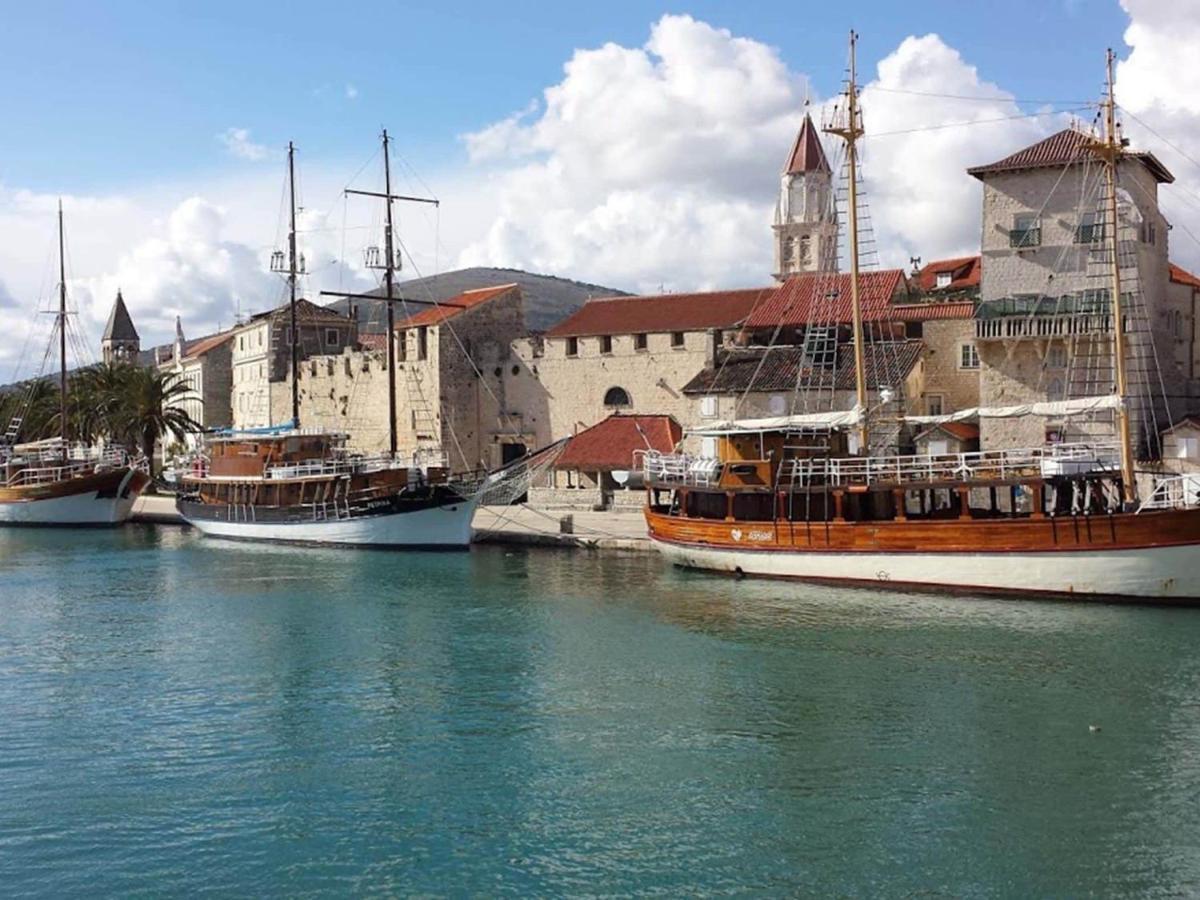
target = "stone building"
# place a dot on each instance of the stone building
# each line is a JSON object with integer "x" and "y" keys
{"x": 950, "y": 362}
{"x": 261, "y": 358}
{"x": 1183, "y": 292}
{"x": 805, "y": 223}
{"x": 206, "y": 367}
{"x": 623, "y": 355}
{"x": 454, "y": 365}
{"x": 1043, "y": 325}
{"x": 120, "y": 341}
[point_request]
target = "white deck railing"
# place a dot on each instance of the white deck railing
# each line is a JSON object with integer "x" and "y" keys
{"x": 1174, "y": 492}
{"x": 986, "y": 465}
{"x": 43, "y": 467}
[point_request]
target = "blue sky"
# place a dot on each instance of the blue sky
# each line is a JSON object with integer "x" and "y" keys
{"x": 626, "y": 144}
{"x": 111, "y": 94}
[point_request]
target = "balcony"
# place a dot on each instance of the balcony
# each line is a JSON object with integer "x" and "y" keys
{"x": 1044, "y": 317}
{"x": 1025, "y": 238}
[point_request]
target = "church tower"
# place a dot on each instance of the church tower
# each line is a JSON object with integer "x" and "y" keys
{"x": 806, "y": 216}
{"x": 120, "y": 342}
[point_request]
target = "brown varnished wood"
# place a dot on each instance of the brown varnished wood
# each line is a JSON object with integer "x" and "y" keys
{"x": 1156, "y": 528}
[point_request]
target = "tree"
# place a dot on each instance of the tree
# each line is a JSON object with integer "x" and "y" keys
{"x": 95, "y": 398}
{"x": 149, "y": 408}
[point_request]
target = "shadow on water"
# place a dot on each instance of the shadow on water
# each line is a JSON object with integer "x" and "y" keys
{"x": 184, "y": 714}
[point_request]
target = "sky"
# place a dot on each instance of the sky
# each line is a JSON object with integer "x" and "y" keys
{"x": 629, "y": 144}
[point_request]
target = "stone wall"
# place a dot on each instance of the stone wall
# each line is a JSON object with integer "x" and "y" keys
{"x": 566, "y": 393}
{"x": 942, "y": 365}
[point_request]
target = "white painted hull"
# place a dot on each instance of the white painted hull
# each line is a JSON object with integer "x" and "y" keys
{"x": 436, "y": 527}
{"x": 73, "y": 509}
{"x": 1155, "y": 573}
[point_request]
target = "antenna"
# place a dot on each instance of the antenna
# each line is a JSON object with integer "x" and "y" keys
{"x": 915, "y": 262}
{"x": 293, "y": 270}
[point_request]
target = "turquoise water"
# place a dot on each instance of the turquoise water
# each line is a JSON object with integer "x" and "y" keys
{"x": 178, "y": 715}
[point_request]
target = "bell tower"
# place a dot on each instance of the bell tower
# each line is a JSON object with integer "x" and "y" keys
{"x": 120, "y": 342}
{"x": 805, "y": 217}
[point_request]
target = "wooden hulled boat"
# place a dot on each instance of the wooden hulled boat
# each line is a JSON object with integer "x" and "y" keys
{"x": 306, "y": 488}
{"x": 802, "y": 496}
{"x": 48, "y": 484}
{"x": 303, "y": 486}
{"x": 1049, "y": 520}
{"x": 55, "y": 482}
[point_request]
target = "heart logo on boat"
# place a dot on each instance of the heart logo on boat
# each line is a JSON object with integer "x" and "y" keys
{"x": 736, "y": 534}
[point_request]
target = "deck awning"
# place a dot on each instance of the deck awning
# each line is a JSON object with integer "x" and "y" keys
{"x": 1058, "y": 409}
{"x": 823, "y": 420}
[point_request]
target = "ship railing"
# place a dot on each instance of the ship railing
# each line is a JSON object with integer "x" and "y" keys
{"x": 417, "y": 463}
{"x": 1174, "y": 492}
{"x": 677, "y": 468}
{"x": 33, "y": 475}
{"x": 975, "y": 466}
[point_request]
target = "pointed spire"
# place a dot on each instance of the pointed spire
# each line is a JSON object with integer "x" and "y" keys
{"x": 807, "y": 154}
{"x": 120, "y": 325}
{"x": 178, "y": 328}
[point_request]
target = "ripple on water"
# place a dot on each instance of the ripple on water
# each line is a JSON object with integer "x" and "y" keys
{"x": 186, "y": 715}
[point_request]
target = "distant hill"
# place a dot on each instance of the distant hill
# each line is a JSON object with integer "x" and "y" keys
{"x": 548, "y": 299}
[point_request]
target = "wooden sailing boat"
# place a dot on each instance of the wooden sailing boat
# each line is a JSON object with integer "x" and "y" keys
{"x": 1060, "y": 519}
{"x": 56, "y": 482}
{"x": 303, "y": 485}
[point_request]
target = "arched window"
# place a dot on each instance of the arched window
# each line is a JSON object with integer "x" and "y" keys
{"x": 617, "y": 397}
{"x": 1056, "y": 390}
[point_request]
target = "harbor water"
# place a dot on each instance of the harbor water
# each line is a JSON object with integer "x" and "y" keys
{"x": 180, "y": 714}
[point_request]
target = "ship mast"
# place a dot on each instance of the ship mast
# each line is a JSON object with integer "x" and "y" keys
{"x": 389, "y": 280}
{"x": 62, "y": 333}
{"x": 850, "y": 133}
{"x": 292, "y": 272}
{"x": 1110, "y": 149}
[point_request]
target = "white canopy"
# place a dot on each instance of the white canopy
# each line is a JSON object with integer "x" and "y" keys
{"x": 843, "y": 419}
{"x": 1059, "y": 409}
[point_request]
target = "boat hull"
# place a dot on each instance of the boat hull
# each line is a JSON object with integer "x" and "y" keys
{"x": 441, "y": 527}
{"x": 1155, "y": 556}
{"x": 103, "y": 499}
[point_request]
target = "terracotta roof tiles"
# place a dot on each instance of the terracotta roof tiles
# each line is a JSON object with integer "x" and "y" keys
{"x": 824, "y": 298}
{"x": 807, "y": 153}
{"x": 1180, "y": 275}
{"x": 964, "y": 273}
{"x": 610, "y": 444}
{"x": 454, "y": 306}
{"x": 1067, "y": 146}
{"x": 661, "y": 314}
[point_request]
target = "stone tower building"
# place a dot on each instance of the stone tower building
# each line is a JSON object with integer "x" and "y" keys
{"x": 806, "y": 215}
{"x": 120, "y": 342}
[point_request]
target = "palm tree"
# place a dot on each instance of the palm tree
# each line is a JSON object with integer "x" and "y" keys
{"x": 97, "y": 394}
{"x": 149, "y": 408}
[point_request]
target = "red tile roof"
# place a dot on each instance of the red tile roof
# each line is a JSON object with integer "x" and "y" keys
{"x": 373, "y": 341}
{"x": 449, "y": 308}
{"x": 807, "y": 154}
{"x": 668, "y": 312}
{"x": 609, "y": 444}
{"x": 204, "y": 345}
{"x": 1067, "y": 146}
{"x": 824, "y": 298}
{"x": 1181, "y": 275}
{"x": 964, "y": 273}
{"x": 926, "y": 312}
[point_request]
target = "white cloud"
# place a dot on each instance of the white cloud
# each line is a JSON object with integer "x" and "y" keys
{"x": 237, "y": 142}
{"x": 659, "y": 164}
{"x": 1158, "y": 88}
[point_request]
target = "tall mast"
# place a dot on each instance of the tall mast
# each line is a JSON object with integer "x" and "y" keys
{"x": 389, "y": 270}
{"x": 292, "y": 270}
{"x": 389, "y": 279}
{"x": 850, "y": 133}
{"x": 1110, "y": 150}
{"x": 62, "y": 332}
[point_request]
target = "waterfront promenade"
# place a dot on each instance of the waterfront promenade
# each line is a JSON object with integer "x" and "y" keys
{"x": 616, "y": 531}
